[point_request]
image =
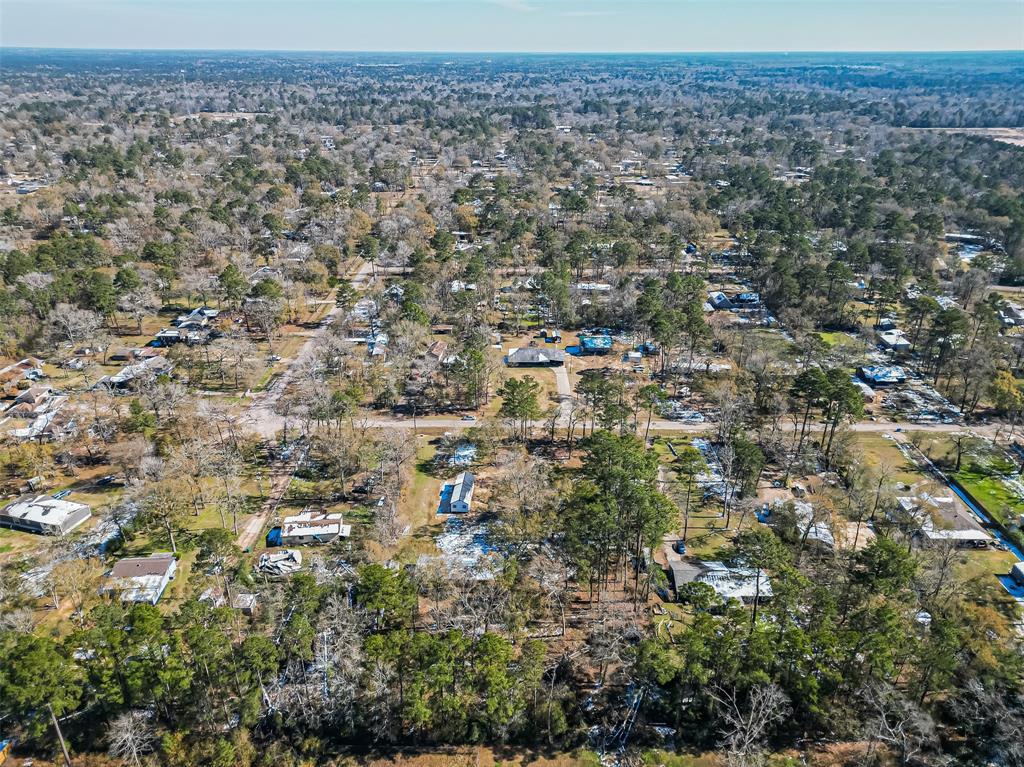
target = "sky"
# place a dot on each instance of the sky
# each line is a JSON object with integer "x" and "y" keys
{"x": 516, "y": 25}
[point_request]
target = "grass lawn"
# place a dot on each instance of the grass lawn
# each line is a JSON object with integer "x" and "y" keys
{"x": 838, "y": 338}
{"x": 543, "y": 376}
{"x": 975, "y": 571}
{"x": 14, "y": 543}
{"x": 419, "y": 505}
{"x": 997, "y": 499}
{"x": 883, "y": 453}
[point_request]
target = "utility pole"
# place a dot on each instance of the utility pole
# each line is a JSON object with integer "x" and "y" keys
{"x": 60, "y": 736}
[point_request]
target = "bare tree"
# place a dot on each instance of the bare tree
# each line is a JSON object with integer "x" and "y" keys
{"x": 70, "y": 324}
{"x": 748, "y": 721}
{"x": 897, "y": 723}
{"x": 131, "y": 736}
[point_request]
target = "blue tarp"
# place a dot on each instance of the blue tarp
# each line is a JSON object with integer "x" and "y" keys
{"x": 274, "y": 537}
{"x": 595, "y": 343}
{"x": 445, "y": 504}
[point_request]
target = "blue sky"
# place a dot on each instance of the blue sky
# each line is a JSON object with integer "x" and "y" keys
{"x": 517, "y": 25}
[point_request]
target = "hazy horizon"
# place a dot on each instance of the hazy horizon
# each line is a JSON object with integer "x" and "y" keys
{"x": 516, "y": 26}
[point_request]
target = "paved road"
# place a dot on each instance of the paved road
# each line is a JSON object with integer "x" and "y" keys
{"x": 263, "y": 419}
{"x": 663, "y": 425}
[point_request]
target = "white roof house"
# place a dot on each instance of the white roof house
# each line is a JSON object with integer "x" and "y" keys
{"x": 932, "y": 536}
{"x": 462, "y": 493}
{"x": 816, "y": 530}
{"x": 729, "y": 582}
{"x": 149, "y": 367}
{"x": 141, "y": 579}
{"x": 929, "y": 535}
{"x": 895, "y": 340}
{"x": 313, "y": 527}
{"x": 592, "y": 287}
{"x": 45, "y": 515}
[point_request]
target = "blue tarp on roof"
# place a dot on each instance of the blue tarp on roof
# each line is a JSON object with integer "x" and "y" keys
{"x": 595, "y": 343}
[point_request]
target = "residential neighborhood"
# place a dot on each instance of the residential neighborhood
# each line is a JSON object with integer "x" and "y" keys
{"x": 420, "y": 409}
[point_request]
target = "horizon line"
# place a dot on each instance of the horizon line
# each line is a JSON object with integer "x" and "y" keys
{"x": 594, "y": 52}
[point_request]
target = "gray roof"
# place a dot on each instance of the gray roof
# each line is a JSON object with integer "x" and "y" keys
{"x": 463, "y": 488}
{"x": 133, "y": 567}
{"x": 535, "y": 355}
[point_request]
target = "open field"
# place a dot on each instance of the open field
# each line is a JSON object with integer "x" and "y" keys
{"x": 1011, "y": 136}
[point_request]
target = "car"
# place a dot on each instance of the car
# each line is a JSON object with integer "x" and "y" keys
{"x": 62, "y": 494}
{"x": 274, "y": 358}
{"x": 106, "y": 480}
{"x": 679, "y": 547}
{"x": 469, "y": 418}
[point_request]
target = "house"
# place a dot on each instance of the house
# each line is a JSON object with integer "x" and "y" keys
{"x": 44, "y": 515}
{"x": 377, "y": 344}
{"x": 746, "y": 300}
{"x": 263, "y": 273}
{"x": 592, "y": 287}
{"x": 730, "y": 582}
{"x": 313, "y": 527}
{"x": 35, "y": 399}
{"x": 882, "y": 375}
{"x": 811, "y": 530}
{"x": 34, "y": 395}
{"x": 50, "y": 423}
{"x": 458, "y": 286}
{"x": 141, "y": 579}
{"x": 146, "y": 369}
{"x": 462, "y": 494}
{"x": 1012, "y": 315}
{"x": 171, "y": 336}
{"x": 246, "y": 603}
{"x": 551, "y": 336}
{"x": 29, "y": 369}
{"x": 463, "y": 455}
{"x": 535, "y": 357}
{"x": 894, "y": 340}
{"x": 595, "y": 344}
{"x": 962, "y": 539}
{"x": 196, "y": 318}
{"x": 718, "y": 300}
